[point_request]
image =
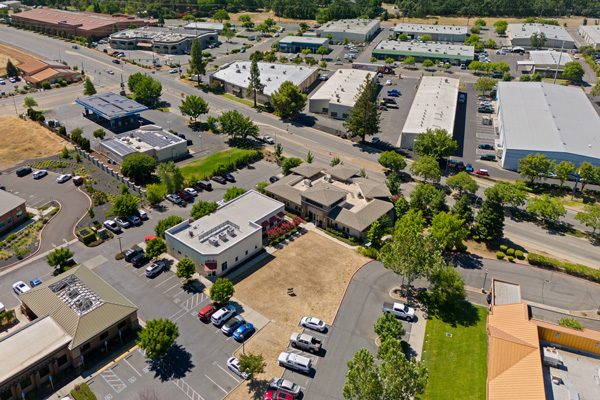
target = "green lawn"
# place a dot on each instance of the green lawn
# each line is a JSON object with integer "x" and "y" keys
{"x": 247, "y": 102}
{"x": 457, "y": 364}
{"x": 204, "y": 167}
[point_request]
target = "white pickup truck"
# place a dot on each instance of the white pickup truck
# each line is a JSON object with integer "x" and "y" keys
{"x": 400, "y": 310}
{"x": 305, "y": 342}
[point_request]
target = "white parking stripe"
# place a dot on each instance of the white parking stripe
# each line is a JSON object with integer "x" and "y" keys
{"x": 185, "y": 388}
{"x": 172, "y": 287}
{"x": 216, "y": 384}
{"x": 171, "y": 277}
{"x": 132, "y": 367}
{"x": 227, "y": 372}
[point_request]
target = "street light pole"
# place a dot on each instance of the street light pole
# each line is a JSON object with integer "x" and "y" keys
{"x": 120, "y": 248}
{"x": 484, "y": 280}
{"x": 543, "y": 287}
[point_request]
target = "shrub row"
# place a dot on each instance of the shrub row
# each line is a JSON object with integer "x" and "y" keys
{"x": 592, "y": 63}
{"x": 578, "y": 270}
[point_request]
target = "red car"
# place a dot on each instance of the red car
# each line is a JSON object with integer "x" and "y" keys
{"x": 277, "y": 395}
{"x": 483, "y": 172}
{"x": 205, "y": 313}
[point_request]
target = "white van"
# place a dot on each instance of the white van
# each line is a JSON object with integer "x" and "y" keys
{"x": 222, "y": 315}
{"x": 295, "y": 361}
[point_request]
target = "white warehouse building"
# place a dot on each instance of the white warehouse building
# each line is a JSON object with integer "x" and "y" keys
{"x": 438, "y": 33}
{"x": 590, "y": 34}
{"x": 355, "y": 30}
{"x": 556, "y": 36}
{"x": 555, "y": 120}
{"x": 434, "y": 107}
{"x": 221, "y": 241}
{"x": 338, "y": 95}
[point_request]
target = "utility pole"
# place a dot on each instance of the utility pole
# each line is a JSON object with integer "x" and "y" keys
{"x": 558, "y": 62}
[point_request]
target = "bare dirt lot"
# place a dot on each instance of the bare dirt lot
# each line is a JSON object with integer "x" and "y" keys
{"x": 319, "y": 270}
{"x": 16, "y": 56}
{"x": 24, "y": 140}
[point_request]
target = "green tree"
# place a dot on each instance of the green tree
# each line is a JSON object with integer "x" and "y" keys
{"x": 202, "y": 208}
{"x": 155, "y": 247}
{"x": 377, "y": 231}
{"x": 197, "y": 65}
{"x": 155, "y": 193}
{"x": 170, "y": 176}
{"x": 252, "y": 364}
{"x": 138, "y": 166}
{"x": 428, "y": 168}
{"x": 489, "y": 223}
{"x": 288, "y": 100}
{"x": 463, "y": 209}
{"x": 221, "y": 15}
{"x": 447, "y": 285}
{"x": 278, "y": 150}
{"x": 288, "y": 163}
{"x": 124, "y": 205}
{"x": 393, "y": 183}
{"x": 436, "y": 143}
{"x": 145, "y": 89}
{"x": 590, "y": 216}
{"x": 463, "y": 183}
{"x": 548, "y": 208}
{"x": 185, "y": 269}
{"x": 449, "y": 231}
{"x": 388, "y": 326}
{"x": 309, "y": 157}
{"x": 59, "y": 258}
{"x": 401, "y": 206}
{"x": 403, "y": 37}
{"x": 410, "y": 61}
{"x": 193, "y": 106}
{"x": 254, "y": 84}
{"x": 167, "y": 223}
{"x": 365, "y": 116}
{"x": 389, "y": 61}
{"x": 538, "y": 40}
{"x": 511, "y": 194}
{"x": 222, "y": 290}
{"x": 88, "y": 87}
{"x": 392, "y": 161}
{"x": 535, "y": 166}
{"x": 428, "y": 199}
{"x": 261, "y": 186}
{"x": 29, "y": 102}
{"x": 484, "y": 84}
{"x": 99, "y": 133}
{"x": 236, "y": 125}
{"x": 11, "y": 70}
{"x": 587, "y": 174}
{"x": 563, "y": 170}
{"x": 427, "y": 63}
{"x": 322, "y": 51}
{"x": 595, "y": 89}
{"x": 362, "y": 380}
{"x": 228, "y": 32}
{"x": 426, "y": 38}
{"x": 157, "y": 337}
{"x": 480, "y": 22}
{"x": 501, "y": 27}
{"x": 573, "y": 71}
{"x": 233, "y": 192}
{"x": 335, "y": 161}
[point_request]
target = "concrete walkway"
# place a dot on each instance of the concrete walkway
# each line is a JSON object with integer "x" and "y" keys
{"x": 417, "y": 334}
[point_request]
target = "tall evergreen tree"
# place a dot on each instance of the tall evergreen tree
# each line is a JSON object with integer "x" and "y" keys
{"x": 11, "y": 70}
{"x": 365, "y": 115}
{"x": 197, "y": 65}
{"x": 255, "y": 85}
{"x": 88, "y": 88}
{"x": 489, "y": 223}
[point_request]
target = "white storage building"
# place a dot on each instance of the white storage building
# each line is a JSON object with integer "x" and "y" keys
{"x": 556, "y": 120}
{"x": 434, "y": 107}
{"x": 556, "y": 36}
{"x": 355, "y": 30}
{"x": 439, "y": 33}
{"x": 544, "y": 61}
{"x": 590, "y": 35}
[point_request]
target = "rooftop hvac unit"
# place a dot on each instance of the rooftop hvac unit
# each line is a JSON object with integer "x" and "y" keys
{"x": 138, "y": 139}
{"x": 269, "y": 79}
{"x": 223, "y": 236}
{"x": 214, "y": 241}
{"x": 307, "y": 182}
{"x": 284, "y": 71}
{"x": 244, "y": 66}
{"x": 231, "y": 232}
{"x": 328, "y": 178}
{"x": 238, "y": 71}
{"x": 272, "y": 66}
{"x": 191, "y": 233}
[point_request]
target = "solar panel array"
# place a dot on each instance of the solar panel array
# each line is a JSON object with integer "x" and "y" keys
{"x": 75, "y": 294}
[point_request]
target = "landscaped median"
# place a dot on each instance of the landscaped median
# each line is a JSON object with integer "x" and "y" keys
{"x": 581, "y": 271}
{"x": 220, "y": 163}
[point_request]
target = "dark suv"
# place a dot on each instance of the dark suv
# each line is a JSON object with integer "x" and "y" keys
{"x": 23, "y": 171}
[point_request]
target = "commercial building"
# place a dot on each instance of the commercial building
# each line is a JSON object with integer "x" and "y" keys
{"x": 12, "y": 4}
{"x": 555, "y": 120}
{"x": 71, "y": 23}
{"x": 220, "y": 242}
{"x": 333, "y": 197}
{"x": 37, "y": 71}
{"x": 454, "y": 53}
{"x": 161, "y": 40}
{"x": 590, "y": 35}
{"x": 353, "y": 30}
{"x": 148, "y": 139}
{"x": 76, "y": 315}
{"x": 112, "y": 109}
{"x": 438, "y": 33}
{"x": 556, "y": 36}
{"x": 337, "y": 96}
{"x": 12, "y": 211}
{"x": 235, "y": 78}
{"x": 295, "y": 44}
{"x": 205, "y": 26}
{"x": 434, "y": 107}
{"x": 545, "y": 62}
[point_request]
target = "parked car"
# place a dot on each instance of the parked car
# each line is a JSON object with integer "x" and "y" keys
{"x": 173, "y": 71}
{"x": 185, "y": 196}
{"x": 388, "y": 82}
{"x": 205, "y": 185}
{"x": 400, "y": 310}
{"x": 139, "y": 259}
{"x": 143, "y": 214}
{"x": 393, "y": 93}
{"x": 40, "y": 174}
{"x": 134, "y": 220}
{"x": 295, "y": 361}
{"x": 122, "y": 222}
{"x": 222, "y": 315}
{"x": 207, "y": 311}
{"x": 63, "y": 178}
{"x": 482, "y": 172}
{"x": 469, "y": 168}
{"x": 313, "y": 323}
{"x": 375, "y": 140}
{"x": 234, "y": 365}
{"x": 173, "y": 198}
{"x": 271, "y": 394}
{"x": 219, "y": 179}
{"x": 462, "y": 98}
{"x": 305, "y": 342}
{"x": 155, "y": 269}
{"x": 78, "y": 180}
{"x": 112, "y": 226}
{"x": 485, "y": 146}
{"x": 268, "y": 140}
{"x": 273, "y": 179}
{"x": 487, "y": 157}
{"x": 389, "y": 100}
{"x": 20, "y": 287}
{"x": 243, "y": 332}
{"x": 21, "y": 172}
{"x": 191, "y": 191}
{"x": 463, "y": 66}
{"x": 116, "y": 61}
{"x": 132, "y": 252}
{"x": 284, "y": 385}
{"x": 35, "y": 282}
{"x": 229, "y": 177}
{"x": 486, "y": 110}
{"x": 230, "y": 326}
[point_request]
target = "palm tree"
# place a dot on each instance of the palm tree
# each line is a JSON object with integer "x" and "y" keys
{"x": 29, "y": 102}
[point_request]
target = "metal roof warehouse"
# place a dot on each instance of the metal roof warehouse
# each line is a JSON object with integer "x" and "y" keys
{"x": 112, "y": 107}
{"x": 428, "y": 50}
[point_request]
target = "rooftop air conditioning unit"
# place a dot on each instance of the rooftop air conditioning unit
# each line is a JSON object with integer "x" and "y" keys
{"x": 238, "y": 71}
{"x": 191, "y": 233}
{"x": 231, "y": 232}
{"x": 273, "y": 66}
{"x": 214, "y": 241}
{"x": 307, "y": 182}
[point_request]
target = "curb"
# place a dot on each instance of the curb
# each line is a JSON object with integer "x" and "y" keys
{"x": 82, "y": 216}
{"x": 346, "y": 289}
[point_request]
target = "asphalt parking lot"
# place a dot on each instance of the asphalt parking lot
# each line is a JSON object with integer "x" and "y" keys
{"x": 393, "y": 119}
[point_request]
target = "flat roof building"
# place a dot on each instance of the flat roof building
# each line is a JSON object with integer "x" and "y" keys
{"x": 556, "y": 36}
{"x": 220, "y": 242}
{"x": 434, "y": 107}
{"x": 110, "y": 107}
{"x": 590, "y": 35}
{"x": 75, "y": 315}
{"x": 456, "y": 53}
{"x": 12, "y": 211}
{"x": 235, "y": 77}
{"x": 354, "y": 30}
{"x": 71, "y": 23}
{"x": 295, "y": 44}
{"x": 161, "y": 40}
{"x": 438, "y": 33}
{"x": 545, "y": 62}
{"x": 337, "y": 95}
{"x": 12, "y": 4}
{"x": 555, "y": 120}
{"x": 204, "y": 26}
{"x": 148, "y": 139}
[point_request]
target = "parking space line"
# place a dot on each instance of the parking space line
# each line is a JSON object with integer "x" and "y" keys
{"x": 216, "y": 384}
{"x": 227, "y": 372}
{"x": 132, "y": 367}
{"x": 178, "y": 293}
{"x": 172, "y": 287}
{"x": 185, "y": 388}
{"x": 113, "y": 380}
{"x": 178, "y": 314}
{"x": 171, "y": 277}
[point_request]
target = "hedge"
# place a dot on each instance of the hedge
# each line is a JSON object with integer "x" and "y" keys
{"x": 581, "y": 271}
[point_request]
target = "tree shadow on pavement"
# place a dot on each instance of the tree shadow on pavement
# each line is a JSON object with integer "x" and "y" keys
{"x": 175, "y": 365}
{"x": 257, "y": 388}
{"x": 467, "y": 260}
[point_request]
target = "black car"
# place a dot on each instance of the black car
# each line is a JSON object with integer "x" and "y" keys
{"x": 487, "y": 157}
{"x": 205, "y": 185}
{"x": 131, "y": 253}
{"x": 273, "y": 179}
{"x": 486, "y": 146}
{"x": 139, "y": 259}
{"x": 219, "y": 179}
{"x": 115, "y": 61}
{"x": 229, "y": 177}
{"x": 23, "y": 171}
{"x": 186, "y": 196}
